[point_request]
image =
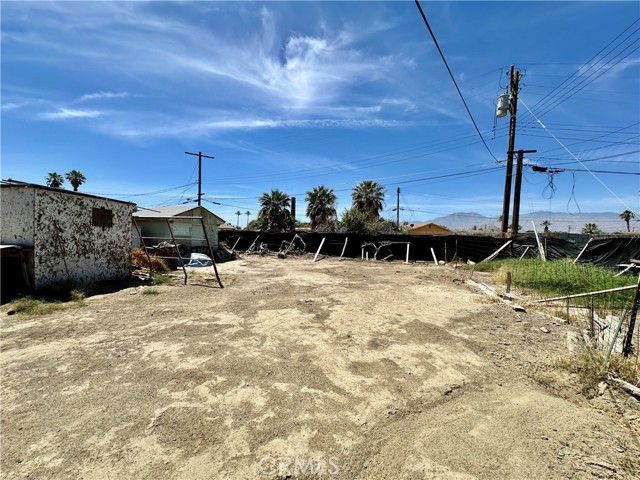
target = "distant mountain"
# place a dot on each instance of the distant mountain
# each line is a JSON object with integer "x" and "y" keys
{"x": 608, "y": 222}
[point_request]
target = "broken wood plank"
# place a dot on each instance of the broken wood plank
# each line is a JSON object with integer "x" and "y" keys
{"x": 540, "y": 249}
{"x": 433, "y": 254}
{"x": 346, "y": 239}
{"x": 582, "y": 251}
{"x": 495, "y": 254}
{"x": 626, "y": 386}
{"x": 319, "y": 248}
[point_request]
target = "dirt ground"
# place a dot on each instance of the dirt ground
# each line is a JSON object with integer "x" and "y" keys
{"x": 354, "y": 370}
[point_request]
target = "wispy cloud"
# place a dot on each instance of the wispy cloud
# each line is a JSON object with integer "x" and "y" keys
{"x": 299, "y": 75}
{"x": 11, "y": 106}
{"x": 101, "y": 96}
{"x": 65, "y": 113}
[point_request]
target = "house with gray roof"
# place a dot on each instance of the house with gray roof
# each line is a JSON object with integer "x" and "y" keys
{"x": 152, "y": 223}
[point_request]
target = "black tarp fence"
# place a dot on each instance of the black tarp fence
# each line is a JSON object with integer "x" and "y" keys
{"x": 446, "y": 247}
{"x": 609, "y": 252}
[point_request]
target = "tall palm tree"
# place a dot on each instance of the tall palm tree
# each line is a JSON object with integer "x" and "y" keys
{"x": 54, "y": 180}
{"x": 247, "y": 213}
{"x": 368, "y": 197}
{"x": 627, "y": 216}
{"x": 274, "y": 213}
{"x": 75, "y": 179}
{"x": 238, "y": 213}
{"x": 321, "y": 205}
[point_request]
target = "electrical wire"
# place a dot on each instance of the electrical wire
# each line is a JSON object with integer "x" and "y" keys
{"x": 576, "y": 158}
{"x": 546, "y": 104}
{"x": 435, "y": 41}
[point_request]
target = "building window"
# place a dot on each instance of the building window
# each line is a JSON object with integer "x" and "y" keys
{"x": 101, "y": 217}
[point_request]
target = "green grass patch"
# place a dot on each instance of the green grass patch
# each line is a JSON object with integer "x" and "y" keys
{"x": 39, "y": 306}
{"x": 150, "y": 291}
{"x": 559, "y": 278}
{"x": 160, "y": 279}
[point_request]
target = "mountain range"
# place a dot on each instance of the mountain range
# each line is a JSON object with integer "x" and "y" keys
{"x": 607, "y": 222}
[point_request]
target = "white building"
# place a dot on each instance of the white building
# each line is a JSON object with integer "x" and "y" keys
{"x": 64, "y": 235}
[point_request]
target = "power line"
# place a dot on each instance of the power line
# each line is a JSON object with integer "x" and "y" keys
{"x": 579, "y": 74}
{"x": 576, "y": 158}
{"x": 435, "y": 41}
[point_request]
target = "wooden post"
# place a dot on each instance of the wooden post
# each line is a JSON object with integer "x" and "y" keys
{"x": 346, "y": 239}
{"x": 592, "y": 318}
{"x": 367, "y": 256}
{"x": 446, "y": 259}
{"x": 319, "y": 248}
{"x": 435, "y": 260}
{"x": 363, "y": 254}
{"x": 508, "y": 282}
{"x": 407, "y": 260}
{"x": 525, "y": 252}
{"x": 628, "y": 340}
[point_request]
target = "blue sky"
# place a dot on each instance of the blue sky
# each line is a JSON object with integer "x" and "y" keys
{"x": 291, "y": 95}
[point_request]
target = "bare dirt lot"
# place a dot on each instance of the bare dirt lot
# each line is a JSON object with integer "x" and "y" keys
{"x": 297, "y": 370}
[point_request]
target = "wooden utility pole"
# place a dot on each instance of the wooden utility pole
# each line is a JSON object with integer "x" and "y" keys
{"x": 514, "y": 83}
{"x": 516, "y": 191}
{"x": 398, "y": 210}
{"x": 199, "y": 155}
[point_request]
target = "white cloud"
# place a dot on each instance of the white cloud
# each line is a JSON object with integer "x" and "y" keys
{"x": 101, "y": 96}
{"x": 11, "y": 106}
{"x": 64, "y": 113}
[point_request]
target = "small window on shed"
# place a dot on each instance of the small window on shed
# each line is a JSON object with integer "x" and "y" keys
{"x": 101, "y": 217}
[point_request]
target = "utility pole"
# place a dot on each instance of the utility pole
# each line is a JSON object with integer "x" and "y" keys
{"x": 514, "y": 82}
{"x": 199, "y": 155}
{"x": 516, "y": 191}
{"x": 398, "y": 210}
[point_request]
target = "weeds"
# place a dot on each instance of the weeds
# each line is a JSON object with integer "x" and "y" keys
{"x": 160, "y": 279}
{"x": 560, "y": 278}
{"x": 150, "y": 291}
{"x": 588, "y": 366}
{"x": 39, "y": 306}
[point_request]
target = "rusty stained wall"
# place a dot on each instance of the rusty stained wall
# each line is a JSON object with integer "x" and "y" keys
{"x": 16, "y": 214}
{"x": 67, "y": 246}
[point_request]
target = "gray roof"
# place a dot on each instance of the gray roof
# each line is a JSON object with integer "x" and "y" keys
{"x": 171, "y": 211}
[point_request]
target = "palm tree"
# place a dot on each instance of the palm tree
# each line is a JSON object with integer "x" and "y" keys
{"x": 54, "y": 180}
{"x": 546, "y": 224}
{"x": 321, "y": 205}
{"x": 368, "y": 197}
{"x": 627, "y": 215}
{"x": 247, "y": 213}
{"x": 274, "y": 214}
{"x": 75, "y": 179}
{"x": 238, "y": 213}
{"x": 590, "y": 228}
